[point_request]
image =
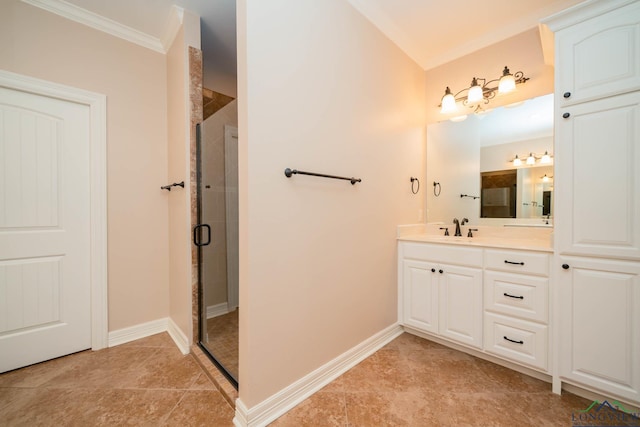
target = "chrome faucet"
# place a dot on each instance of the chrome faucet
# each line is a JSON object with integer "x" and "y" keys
{"x": 458, "y": 224}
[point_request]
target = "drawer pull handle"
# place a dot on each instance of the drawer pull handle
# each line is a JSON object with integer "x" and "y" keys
{"x": 513, "y": 341}
{"x": 433, "y": 270}
{"x": 513, "y": 296}
{"x": 512, "y": 262}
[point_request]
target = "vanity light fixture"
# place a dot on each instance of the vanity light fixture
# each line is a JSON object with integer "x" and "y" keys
{"x": 481, "y": 91}
{"x": 546, "y": 178}
{"x": 531, "y": 159}
{"x": 546, "y": 158}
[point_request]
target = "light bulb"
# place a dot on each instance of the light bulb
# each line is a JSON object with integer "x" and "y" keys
{"x": 507, "y": 82}
{"x": 475, "y": 92}
{"x": 448, "y": 102}
{"x": 546, "y": 158}
{"x": 531, "y": 160}
{"x": 517, "y": 161}
{"x": 545, "y": 178}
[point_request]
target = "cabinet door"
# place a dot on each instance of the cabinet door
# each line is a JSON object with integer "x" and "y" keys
{"x": 461, "y": 304}
{"x": 599, "y": 324}
{"x": 597, "y": 182}
{"x": 420, "y": 295}
{"x": 599, "y": 56}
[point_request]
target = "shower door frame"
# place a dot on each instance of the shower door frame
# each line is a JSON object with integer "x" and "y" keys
{"x": 202, "y": 309}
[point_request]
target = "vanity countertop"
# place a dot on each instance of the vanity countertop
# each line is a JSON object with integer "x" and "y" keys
{"x": 529, "y": 244}
{"x": 531, "y": 239}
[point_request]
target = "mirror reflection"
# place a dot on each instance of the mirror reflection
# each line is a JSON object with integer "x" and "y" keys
{"x": 503, "y": 157}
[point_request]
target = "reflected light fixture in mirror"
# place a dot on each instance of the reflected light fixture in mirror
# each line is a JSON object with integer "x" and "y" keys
{"x": 546, "y": 158}
{"x": 532, "y": 158}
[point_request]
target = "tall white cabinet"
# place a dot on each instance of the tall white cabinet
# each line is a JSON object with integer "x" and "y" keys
{"x": 597, "y": 190}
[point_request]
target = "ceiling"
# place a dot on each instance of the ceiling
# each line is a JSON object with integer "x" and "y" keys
{"x": 432, "y": 32}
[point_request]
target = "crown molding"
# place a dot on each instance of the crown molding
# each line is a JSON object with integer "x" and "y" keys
{"x": 176, "y": 18}
{"x": 100, "y": 23}
{"x": 581, "y": 12}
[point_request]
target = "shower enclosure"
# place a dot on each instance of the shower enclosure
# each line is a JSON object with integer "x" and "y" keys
{"x": 217, "y": 239}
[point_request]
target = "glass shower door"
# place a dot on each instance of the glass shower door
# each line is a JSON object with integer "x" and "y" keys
{"x": 218, "y": 261}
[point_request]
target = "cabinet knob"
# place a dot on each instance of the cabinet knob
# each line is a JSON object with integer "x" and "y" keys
{"x": 567, "y": 94}
{"x": 565, "y": 266}
{"x": 566, "y": 115}
{"x": 433, "y": 270}
{"x": 440, "y": 271}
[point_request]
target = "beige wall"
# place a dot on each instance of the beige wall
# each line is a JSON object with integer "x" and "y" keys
{"x": 520, "y": 53}
{"x": 178, "y": 170}
{"x": 320, "y": 89}
{"x": 181, "y": 135}
{"x": 42, "y": 45}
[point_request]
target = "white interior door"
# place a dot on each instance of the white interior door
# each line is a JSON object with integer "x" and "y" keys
{"x": 45, "y": 272}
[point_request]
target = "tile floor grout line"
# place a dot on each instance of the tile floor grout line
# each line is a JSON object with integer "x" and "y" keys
{"x": 168, "y": 414}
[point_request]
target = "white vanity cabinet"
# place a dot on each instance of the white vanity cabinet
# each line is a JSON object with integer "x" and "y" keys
{"x": 600, "y": 318}
{"x": 492, "y": 300}
{"x": 596, "y": 266}
{"x": 441, "y": 291}
{"x": 516, "y": 302}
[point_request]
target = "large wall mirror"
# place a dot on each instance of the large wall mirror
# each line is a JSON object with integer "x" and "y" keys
{"x": 473, "y": 164}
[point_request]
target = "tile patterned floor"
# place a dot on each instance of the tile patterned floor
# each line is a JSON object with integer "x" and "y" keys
{"x": 145, "y": 382}
{"x": 415, "y": 382}
{"x": 409, "y": 382}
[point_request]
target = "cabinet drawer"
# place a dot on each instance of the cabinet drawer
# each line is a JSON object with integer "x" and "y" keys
{"x": 471, "y": 257}
{"x": 517, "y": 295}
{"x": 517, "y": 261}
{"x": 515, "y": 339}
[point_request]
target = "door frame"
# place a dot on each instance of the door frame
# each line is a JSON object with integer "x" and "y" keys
{"x": 97, "y": 104}
{"x": 233, "y": 293}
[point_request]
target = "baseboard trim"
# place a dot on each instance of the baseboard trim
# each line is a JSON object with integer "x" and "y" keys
{"x": 217, "y": 310}
{"x": 281, "y": 402}
{"x": 178, "y": 336}
{"x": 143, "y": 330}
{"x": 596, "y": 395}
{"x": 132, "y": 333}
